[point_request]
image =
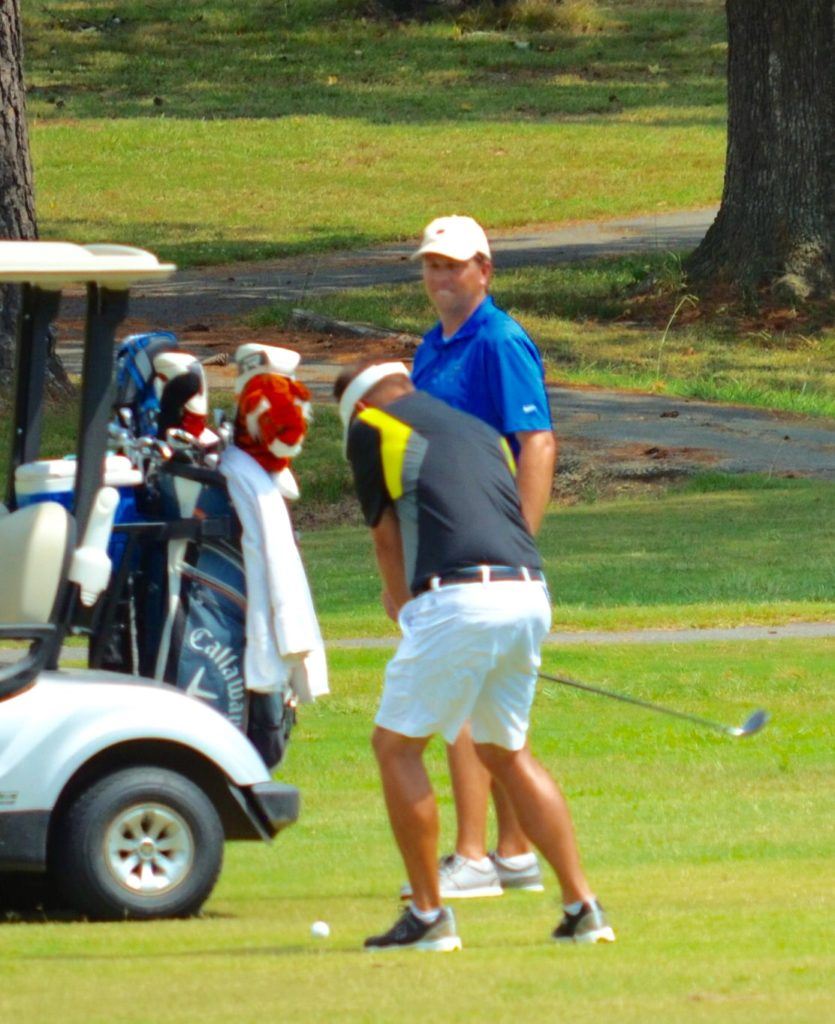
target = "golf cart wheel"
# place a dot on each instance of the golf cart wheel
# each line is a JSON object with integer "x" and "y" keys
{"x": 139, "y": 843}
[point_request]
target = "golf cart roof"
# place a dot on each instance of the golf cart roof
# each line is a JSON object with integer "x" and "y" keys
{"x": 52, "y": 265}
{"x": 44, "y": 269}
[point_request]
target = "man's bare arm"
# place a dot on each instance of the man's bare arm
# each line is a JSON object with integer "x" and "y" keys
{"x": 388, "y": 548}
{"x": 535, "y": 473}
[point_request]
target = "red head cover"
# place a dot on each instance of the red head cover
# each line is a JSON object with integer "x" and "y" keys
{"x": 272, "y": 419}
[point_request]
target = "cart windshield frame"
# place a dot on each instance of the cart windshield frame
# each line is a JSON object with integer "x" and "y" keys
{"x": 44, "y": 269}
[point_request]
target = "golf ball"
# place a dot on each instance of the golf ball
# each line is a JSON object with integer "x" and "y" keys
{"x": 320, "y": 929}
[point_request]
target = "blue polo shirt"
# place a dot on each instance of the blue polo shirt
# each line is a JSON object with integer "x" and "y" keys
{"x": 489, "y": 368}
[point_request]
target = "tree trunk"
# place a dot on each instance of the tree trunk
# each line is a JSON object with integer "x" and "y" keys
{"x": 17, "y": 204}
{"x": 776, "y": 224}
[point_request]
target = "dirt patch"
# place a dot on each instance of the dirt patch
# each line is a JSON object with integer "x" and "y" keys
{"x": 310, "y": 516}
{"x": 611, "y": 443}
{"x": 588, "y": 470}
{"x": 660, "y": 454}
{"x": 762, "y": 314}
{"x": 210, "y": 336}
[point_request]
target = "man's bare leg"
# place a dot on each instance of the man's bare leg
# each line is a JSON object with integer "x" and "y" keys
{"x": 511, "y": 840}
{"x": 542, "y": 812}
{"x": 471, "y": 787}
{"x": 471, "y": 792}
{"x": 412, "y": 811}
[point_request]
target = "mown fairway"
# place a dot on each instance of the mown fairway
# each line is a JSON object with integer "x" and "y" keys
{"x": 711, "y": 855}
{"x": 219, "y": 131}
{"x": 682, "y": 559}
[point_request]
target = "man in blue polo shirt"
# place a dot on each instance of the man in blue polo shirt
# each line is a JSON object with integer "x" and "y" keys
{"x": 479, "y": 359}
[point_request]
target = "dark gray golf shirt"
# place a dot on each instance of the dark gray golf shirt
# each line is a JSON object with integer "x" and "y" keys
{"x": 449, "y": 478}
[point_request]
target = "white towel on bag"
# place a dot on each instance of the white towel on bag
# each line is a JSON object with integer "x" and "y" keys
{"x": 283, "y": 642}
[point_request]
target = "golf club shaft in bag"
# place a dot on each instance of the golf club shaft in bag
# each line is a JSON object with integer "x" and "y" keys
{"x": 752, "y": 724}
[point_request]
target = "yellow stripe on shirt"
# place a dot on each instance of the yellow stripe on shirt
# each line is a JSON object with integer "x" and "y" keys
{"x": 508, "y": 454}
{"x": 394, "y": 436}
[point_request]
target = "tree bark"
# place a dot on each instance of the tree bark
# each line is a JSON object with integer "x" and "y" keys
{"x": 17, "y": 202}
{"x": 776, "y": 223}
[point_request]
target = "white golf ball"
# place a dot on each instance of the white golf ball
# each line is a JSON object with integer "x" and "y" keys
{"x": 320, "y": 929}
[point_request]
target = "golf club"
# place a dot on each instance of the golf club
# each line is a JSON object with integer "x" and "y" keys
{"x": 752, "y": 724}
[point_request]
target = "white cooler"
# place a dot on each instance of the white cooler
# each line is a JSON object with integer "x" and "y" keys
{"x": 54, "y": 480}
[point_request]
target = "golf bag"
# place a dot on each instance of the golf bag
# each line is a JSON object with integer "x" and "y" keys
{"x": 176, "y": 606}
{"x": 193, "y": 608}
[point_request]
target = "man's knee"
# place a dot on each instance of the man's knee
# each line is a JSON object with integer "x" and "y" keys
{"x": 497, "y": 759}
{"x": 388, "y": 745}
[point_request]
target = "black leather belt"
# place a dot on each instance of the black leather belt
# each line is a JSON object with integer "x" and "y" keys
{"x": 482, "y": 574}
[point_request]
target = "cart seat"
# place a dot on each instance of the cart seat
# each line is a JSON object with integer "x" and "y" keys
{"x": 36, "y": 543}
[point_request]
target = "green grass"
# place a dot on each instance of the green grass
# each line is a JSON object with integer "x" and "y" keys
{"x": 222, "y": 131}
{"x": 720, "y": 889}
{"x": 718, "y": 550}
{"x": 217, "y": 191}
{"x": 592, "y": 330}
{"x": 758, "y": 552}
{"x": 59, "y": 433}
{"x": 258, "y": 58}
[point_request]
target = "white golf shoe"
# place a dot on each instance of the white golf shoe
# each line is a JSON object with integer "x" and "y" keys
{"x": 462, "y": 878}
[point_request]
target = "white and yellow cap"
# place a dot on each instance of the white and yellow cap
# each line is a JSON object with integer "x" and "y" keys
{"x": 457, "y": 238}
{"x": 360, "y": 386}
{"x": 254, "y": 358}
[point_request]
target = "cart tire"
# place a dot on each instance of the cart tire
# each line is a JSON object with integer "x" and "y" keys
{"x": 139, "y": 843}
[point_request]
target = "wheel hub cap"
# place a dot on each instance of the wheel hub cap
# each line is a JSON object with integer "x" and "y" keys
{"x": 149, "y": 849}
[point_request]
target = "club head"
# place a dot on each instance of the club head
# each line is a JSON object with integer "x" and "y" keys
{"x": 118, "y": 434}
{"x": 752, "y": 724}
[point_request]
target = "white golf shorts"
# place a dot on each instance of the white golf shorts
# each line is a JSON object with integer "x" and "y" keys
{"x": 469, "y": 652}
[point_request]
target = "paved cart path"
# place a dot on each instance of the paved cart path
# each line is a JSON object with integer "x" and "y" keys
{"x": 790, "y": 631}
{"x": 618, "y": 435}
{"x": 201, "y": 294}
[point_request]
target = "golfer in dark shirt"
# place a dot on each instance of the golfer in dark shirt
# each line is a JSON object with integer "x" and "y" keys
{"x": 462, "y": 577}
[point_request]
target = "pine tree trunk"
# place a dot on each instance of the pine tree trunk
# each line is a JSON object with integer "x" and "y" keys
{"x": 17, "y": 203}
{"x": 776, "y": 223}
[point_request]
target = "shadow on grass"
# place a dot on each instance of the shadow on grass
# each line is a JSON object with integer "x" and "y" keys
{"x": 190, "y": 954}
{"x": 199, "y": 250}
{"x": 235, "y": 62}
{"x": 198, "y": 246}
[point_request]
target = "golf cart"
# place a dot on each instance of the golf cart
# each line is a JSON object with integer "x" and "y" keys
{"x": 118, "y": 790}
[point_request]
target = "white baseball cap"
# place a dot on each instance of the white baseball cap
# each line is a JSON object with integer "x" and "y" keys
{"x": 360, "y": 386}
{"x": 254, "y": 358}
{"x": 457, "y": 238}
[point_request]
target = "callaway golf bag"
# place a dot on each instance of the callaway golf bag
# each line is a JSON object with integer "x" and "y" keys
{"x": 176, "y": 607}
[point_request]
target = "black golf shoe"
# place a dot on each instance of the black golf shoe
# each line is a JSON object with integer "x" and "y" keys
{"x": 588, "y": 925}
{"x": 409, "y": 932}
